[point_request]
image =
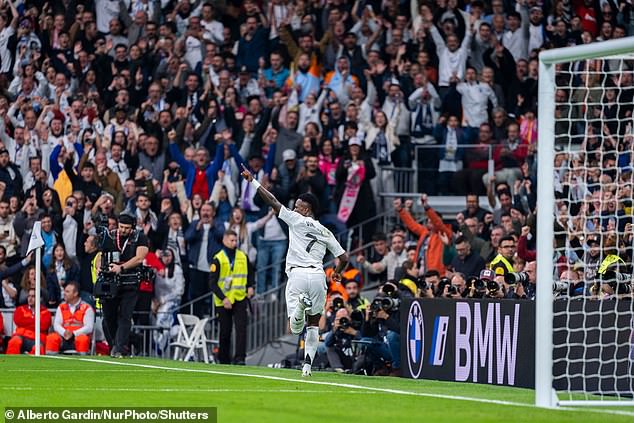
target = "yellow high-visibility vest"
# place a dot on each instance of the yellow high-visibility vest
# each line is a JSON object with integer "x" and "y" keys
{"x": 610, "y": 259}
{"x": 232, "y": 282}
{"x": 93, "y": 274}
{"x": 505, "y": 263}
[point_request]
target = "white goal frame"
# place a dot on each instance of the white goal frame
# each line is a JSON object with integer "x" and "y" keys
{"x": 545, "y": 395}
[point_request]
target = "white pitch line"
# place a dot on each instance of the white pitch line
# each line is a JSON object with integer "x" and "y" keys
{"x": 290, "y": 391}
{"x": 77, "y": 370}
{"x": 339, "y": 385}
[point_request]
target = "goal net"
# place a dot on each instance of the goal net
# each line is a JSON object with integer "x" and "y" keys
{"x": 585, "y": 245}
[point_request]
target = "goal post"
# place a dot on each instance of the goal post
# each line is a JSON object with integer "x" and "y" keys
{"x": 592, "y": 392}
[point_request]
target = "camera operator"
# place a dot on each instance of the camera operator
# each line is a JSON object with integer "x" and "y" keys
{"x": 339, "y": 342}
{"x": 475, "y": 287}
{"x": 614, "y": 277}
{"x": 492, "y": 287}
{"x": 131, "y": 247}
{"x": 432, "y": 279}
{"x": 568, "y": 284}
{"x": 447, "y": 289}
{"x": 334, "y": 303}
{"x": 411, "y": 285}
{"x": 381, "y": 330}
{"x": 355, "y": 299}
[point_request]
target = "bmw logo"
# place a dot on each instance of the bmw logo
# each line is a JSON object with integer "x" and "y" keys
{"x": 415, "y": 335}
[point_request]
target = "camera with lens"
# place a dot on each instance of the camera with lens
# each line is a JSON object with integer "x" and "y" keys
{"x": 337, "y": 304}
{"x": 422, "y": 284}
{"x": 560, "y": 286}
{"x": 387, "y": 304}
{"x": 621, "y": 283}
{"x": 451, "y": 288}
{"x": 474, "y": 287}
{"x": 390, "y": 289}
{"x": 356, "y": 319}
{"x": 376, "y": 305}
{"x": 516, "y": 277}
{"x": 344, "y": 323}
{"x": 492, "y": 288}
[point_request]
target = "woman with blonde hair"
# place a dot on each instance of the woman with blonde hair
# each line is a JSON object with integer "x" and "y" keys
{"x": 237, "y": 223}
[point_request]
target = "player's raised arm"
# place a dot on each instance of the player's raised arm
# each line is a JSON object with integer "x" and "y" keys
{"x": 263, "y": 192}
{"x": 343, "y": 262}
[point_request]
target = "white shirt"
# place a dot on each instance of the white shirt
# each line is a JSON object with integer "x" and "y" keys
{"x": 194, "y": 54}
{"x": 106, "y": 10}
{"x": 450, "y": 62}
{"x": 5, "y": 53}
{"x": 475, "y": 97}
{"x": 213, "y": 31}
{"x": 69, "y": 235}
{"x": 308, "y": 241}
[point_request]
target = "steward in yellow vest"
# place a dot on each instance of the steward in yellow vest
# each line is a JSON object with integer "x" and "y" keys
{"x": 502, "y": 264}
{"x": 231, "y": 282}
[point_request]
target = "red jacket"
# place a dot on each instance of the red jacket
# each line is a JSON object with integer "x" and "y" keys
{"x": 24, "y": 319}
{"x": 435, "y": 247}
{"x": 522, "y": 250}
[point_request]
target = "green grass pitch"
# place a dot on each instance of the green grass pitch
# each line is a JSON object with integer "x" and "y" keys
{"x": 256, "y": 394}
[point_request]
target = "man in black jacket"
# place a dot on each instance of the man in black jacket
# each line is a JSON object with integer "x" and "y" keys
{"x": 86, "y": 183}
{"x": 466, "y": 261}
{"x": 10, "y": 175}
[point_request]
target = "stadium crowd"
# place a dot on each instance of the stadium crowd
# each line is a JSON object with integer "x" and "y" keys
{"x": 151, "y": 107}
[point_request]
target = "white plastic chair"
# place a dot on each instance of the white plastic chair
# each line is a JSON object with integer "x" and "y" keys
{"x": 191, "y": 337}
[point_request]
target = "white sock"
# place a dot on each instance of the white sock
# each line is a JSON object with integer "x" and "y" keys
{"x": 312, "y": 341}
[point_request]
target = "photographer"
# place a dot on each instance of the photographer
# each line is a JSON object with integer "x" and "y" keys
{"x": 451, "y": 288}
{"x": 492, "y": 288}
{"x": 355, "y": 299}
{"x": 339, "y": 341}
{"x": 381, "y": 331}
{"x": 614, "y": 277}
{"x": 130, "y": 247}
{"x": 334, "y": 303}
{"x": 411, "y": 285}
{"x": 475, "y": 287}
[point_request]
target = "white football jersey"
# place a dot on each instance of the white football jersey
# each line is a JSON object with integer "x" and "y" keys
{"x": 308, "y": 241}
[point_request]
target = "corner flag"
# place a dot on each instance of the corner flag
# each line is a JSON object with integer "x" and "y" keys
{"x": 36, "y": 240}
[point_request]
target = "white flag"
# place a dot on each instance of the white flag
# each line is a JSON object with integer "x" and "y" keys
{"x": 36, "y": 240}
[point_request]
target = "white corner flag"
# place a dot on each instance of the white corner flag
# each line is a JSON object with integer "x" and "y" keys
{"x": 35, "y": 243}
{"x": 36, "y": 240}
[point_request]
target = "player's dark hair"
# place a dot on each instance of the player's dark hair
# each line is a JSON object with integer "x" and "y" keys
{"x": 311, "y": 200}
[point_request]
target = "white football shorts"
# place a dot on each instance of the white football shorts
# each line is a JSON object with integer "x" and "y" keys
{"x": 308, "y": 281}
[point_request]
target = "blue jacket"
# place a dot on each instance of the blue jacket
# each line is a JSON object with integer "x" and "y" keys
{"x": 249, "y": 52}
{"x": 189, "y": 169}
{"x": 52, "y": 283}
{"x": 440, "y": 133}
{"x": 194, "y": 240}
